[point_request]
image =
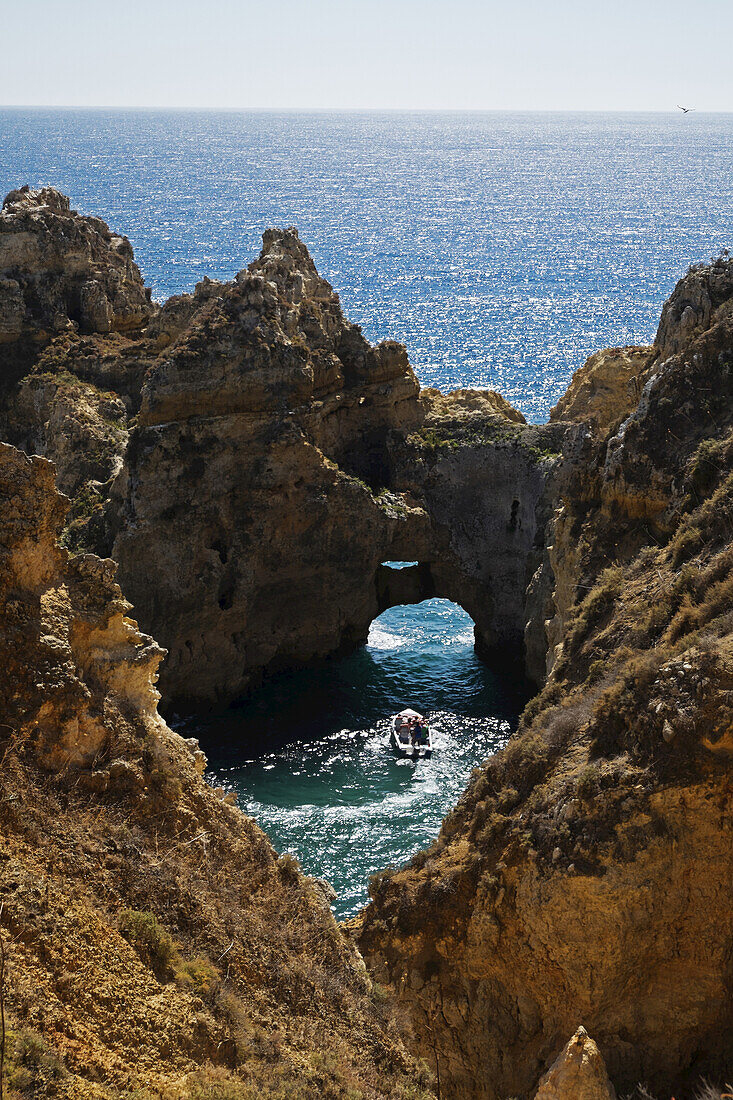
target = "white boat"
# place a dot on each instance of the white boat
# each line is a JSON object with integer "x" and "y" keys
{"x": 406, "y": 740}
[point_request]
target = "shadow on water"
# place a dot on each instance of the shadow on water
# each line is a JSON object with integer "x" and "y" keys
{"x": 309, "y": 757}
{"x": 421, "y": 655}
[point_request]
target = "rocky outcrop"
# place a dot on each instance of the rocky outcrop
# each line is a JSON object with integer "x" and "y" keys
{"x": 279, "y": 459}
{"x": 73, "y": 306}
{"x": 152, "y": 938}
{"x": 250, "y": 460}
{"x": 486, "y": 480}
{"x": 466, "y": 404}
{"x": 583, "y": 873}
{"x": 60, "y": 271}
{"x": 694, "y": 306}
{"x": 245, "y": 529}
{"x": 578, "y": 1073}
{"x": 82, "y": 427}
{"x": 606, "y": 388}
{"x": 73, "y": 660}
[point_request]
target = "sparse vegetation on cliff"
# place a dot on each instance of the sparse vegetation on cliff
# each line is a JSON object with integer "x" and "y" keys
{"x": 571, "y": 856}
{"x": 155, "y": 945}
{"x": 157, "y": 948}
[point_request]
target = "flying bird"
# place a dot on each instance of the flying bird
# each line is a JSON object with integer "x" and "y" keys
{"x": 685, "y": 110}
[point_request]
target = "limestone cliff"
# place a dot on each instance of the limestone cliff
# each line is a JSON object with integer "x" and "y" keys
{"x": 251, "y": 461}
{"x": 245, "y": 530}
{"x": 577, "y": 1074}
{"x": 155, "y": 944}
{"x": 584, "y": 876}
{"x": 606, "y": 388}
{"x": 74, "y": 663}
{"x": 73, "y": 307}
{"x": 279, "y": 459}
{"x": 60, "y": 272}
{"x": 486, "y": 481}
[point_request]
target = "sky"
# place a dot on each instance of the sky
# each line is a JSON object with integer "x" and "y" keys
{"x": 637, "y": 55}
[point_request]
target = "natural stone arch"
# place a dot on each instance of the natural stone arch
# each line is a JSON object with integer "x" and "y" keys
{"x": 407, "y": 585}
{"x": 426, "y": 580}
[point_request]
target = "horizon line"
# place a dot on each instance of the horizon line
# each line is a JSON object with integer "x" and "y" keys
{"x": 360, "y": 110}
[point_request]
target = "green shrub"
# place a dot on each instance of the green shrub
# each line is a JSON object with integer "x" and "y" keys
{"x": 32, "y": 1067}
{"x": 525, "y": 759}
{"x": 589, "y": 782}
{"x": 150, "y": 940}
{"x": 198, "y": 974}
{"x": 429, "y": 440}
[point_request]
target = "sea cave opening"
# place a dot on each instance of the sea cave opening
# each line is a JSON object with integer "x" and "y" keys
{"x": 308, "y": 754}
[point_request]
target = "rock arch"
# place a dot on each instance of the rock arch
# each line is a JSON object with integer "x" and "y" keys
{"x": 407, "y": 585}
{"x": 278, "y": 460}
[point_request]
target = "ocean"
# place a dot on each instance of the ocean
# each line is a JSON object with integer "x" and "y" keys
{"x": 502, "y": 249}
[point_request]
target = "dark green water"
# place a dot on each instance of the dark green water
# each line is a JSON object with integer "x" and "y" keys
{"x": 309, "y": 754}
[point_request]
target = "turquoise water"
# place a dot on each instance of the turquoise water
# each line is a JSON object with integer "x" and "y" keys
{"x": 502, "y": 249}
{"x": 310, "y": 759}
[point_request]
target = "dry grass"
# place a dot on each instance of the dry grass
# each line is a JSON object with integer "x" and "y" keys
{"x": 215, "y": 920}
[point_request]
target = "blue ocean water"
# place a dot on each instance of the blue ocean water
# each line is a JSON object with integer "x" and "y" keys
{"x": 502, "y": 249}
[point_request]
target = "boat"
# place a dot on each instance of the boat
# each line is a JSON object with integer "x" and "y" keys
{"x": 401, "y": 738}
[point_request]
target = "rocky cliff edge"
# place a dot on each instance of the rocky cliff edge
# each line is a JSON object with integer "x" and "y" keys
{"x": 584, "y": 876}
{"x": 154, "y": 944}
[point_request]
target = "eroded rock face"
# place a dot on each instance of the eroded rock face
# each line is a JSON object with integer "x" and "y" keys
{"x": 574, "y": 878}
{"x": 238, "y": 536}
{"x": 622, "y": 490}
{"x": 152, "y": 939}
{"x": 606, "y": 388}
{"x": 693, "y": 306}
{"x": 58, "y": 270}
{"x": 275, "y": 466}
{"x": 486, "y": 481}
{"x": 83, "y": 428}
{"x": 276, "y": 461}
{"x": 72, "y": 309}
{"x": 73, "y": 659}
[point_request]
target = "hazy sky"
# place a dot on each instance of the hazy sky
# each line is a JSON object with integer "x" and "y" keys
{"x": 533, "y": 54}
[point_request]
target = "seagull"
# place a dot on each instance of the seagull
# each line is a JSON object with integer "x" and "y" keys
{"x": 685, "y": 110}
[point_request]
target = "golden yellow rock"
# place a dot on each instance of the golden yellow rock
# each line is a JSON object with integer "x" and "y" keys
{"x": 154, "y": 943}
{"x": 606, "y": 388}
{"x": 579, "y": 1073}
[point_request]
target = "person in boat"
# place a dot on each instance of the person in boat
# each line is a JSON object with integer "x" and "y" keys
{"x": 418, "y": 731}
